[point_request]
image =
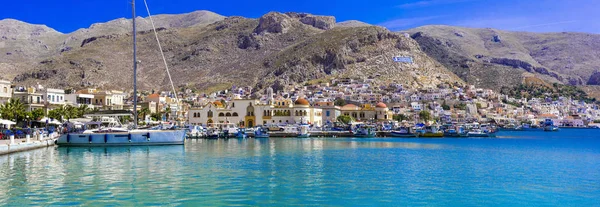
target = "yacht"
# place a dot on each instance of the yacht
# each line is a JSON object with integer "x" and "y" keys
{"x": 122, "y": 137}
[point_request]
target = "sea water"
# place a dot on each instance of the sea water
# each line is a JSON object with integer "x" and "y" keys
{"x": 515, "y": 169}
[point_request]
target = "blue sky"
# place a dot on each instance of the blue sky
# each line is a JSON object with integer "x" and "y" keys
{"x": 524, "y": 15}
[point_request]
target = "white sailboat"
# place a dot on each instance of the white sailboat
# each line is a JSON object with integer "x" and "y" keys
{"x": 130, "y": 137}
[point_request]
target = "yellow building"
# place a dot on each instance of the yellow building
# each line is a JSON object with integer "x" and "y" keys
{"x": 367, "y": 112}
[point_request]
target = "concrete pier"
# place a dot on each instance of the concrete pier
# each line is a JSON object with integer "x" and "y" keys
{"x": 18, "y": 145}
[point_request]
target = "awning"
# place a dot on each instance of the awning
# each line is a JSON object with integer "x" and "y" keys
{"x": 7, "y": 122}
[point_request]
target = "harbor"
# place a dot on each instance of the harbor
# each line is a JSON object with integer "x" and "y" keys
{"x": 332, "y": 171}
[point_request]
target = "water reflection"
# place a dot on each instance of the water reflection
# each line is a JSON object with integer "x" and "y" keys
{"x": 283, "y": 172}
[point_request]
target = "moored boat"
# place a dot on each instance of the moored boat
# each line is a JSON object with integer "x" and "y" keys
{"x": 259, "y": 132}
{"x": 431, "y": 131}
{"x": 303, "y": 131}
{"x": 122, "y": 137}
{"x": 364, "y": 131}
{"x": 403, "y": 132}
{"x": 130, "y": 138}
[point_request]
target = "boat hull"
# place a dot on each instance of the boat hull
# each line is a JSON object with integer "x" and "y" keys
{"x": 431, "y": 134}
{"x": 481, "y": 135}
{"x": 136, "y": 138}
{"x": 402, "y": 135}
{"x": 303, "y": 135}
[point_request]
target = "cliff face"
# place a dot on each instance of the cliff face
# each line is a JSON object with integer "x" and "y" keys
{"x": 277, "y": 48}
{"x": 492, "y": 58}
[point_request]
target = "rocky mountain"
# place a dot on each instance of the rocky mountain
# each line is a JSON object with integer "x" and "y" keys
{"x": 207, "y": 51}
{"x": 351, "y": 23}
{"x": 23, "y": 45}
{"x": 493, "y": 58}
{"x": 215, "y": 53}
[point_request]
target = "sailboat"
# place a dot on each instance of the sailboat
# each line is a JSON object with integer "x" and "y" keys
{"x": 135, "y": 136}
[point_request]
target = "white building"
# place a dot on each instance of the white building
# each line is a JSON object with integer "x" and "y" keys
{"x": 53, "y": 98}
{"x": 80, "y": 99}
{"x": 6, "y": 91}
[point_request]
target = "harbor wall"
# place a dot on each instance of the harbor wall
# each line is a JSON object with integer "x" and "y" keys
{"x": 24, "y": 146}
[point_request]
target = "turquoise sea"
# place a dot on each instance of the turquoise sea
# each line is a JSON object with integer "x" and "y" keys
{"x": 515, "y": 169}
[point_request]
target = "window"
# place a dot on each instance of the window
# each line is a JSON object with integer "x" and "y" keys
{"x": 327, "y": 113}
{"x": 235, "y": 114}
{"x": 221, "y": 114}
{"x": 228, "y": 114}
{"x": 232, "y": 105}
{"x": 209, "y": 114}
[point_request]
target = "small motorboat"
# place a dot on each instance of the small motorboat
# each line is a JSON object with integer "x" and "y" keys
{"x": 403, "y": 132}
{"x": 431, "y": 131}
{"x": 303, "y": 131}
{"x": 259, "y": 132}
{"x": 365, "y": 131}
{"x": 241, "y": 133}
{"x": 479, "y": 133}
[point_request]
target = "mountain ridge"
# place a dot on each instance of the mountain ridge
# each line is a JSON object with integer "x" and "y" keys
{"x": 208, "y": 51}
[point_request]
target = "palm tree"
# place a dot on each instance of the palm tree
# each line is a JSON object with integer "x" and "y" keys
{"x": 36, "y": 114}
{"x": 82, "y": 110}
{"x": 143, "y": 113}
{"x": 168, "y": 112}
{"x": 13, "y": 110}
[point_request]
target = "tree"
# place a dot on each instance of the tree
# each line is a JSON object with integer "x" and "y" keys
{"x": 36, "y": 114}
{"x": 168, "y": 112}
{"x": 339, "y": 102}
{"x": 155, "y": 116}
{"x": 142, "y": 114}
{"x": 445, "y": 106}
{"x": 345, "y": 119}
{"x": 82, "y": 110}
{"x": 425, "y": 115}
{"x": 13, "y": 110}
{"x": 400, "y": 117}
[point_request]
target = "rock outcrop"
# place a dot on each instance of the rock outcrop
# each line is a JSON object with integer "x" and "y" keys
{"x": 273, "y": 22}
{"x": 594, "y": 79}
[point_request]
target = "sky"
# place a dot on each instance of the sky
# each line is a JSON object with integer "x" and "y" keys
{"x": 516, "y": 15}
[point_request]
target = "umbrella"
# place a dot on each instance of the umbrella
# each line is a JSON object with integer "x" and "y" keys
{"x": 50, "y": 121}
{"x": 7, "y": 122}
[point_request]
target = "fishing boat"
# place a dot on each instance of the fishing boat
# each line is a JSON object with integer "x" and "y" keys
{"x": 241, "y": 133}
{"x": 479, "y": 133}
{"x": 364, "y": 131}
{"x": 259, "y": 132}
{"x": 431, "y": 131}
{"x": 455, "y": 132}
{"x": 194, "y": 131}
{"x": 133, "y": 136}
{"x": 303, "y": 131}
{"x": 213, "y": 133}
{"x": 549, "y": 126}
{"x": 403, "y": 132}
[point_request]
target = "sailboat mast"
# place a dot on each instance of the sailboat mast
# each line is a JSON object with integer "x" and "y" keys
{"x": 135, "y": 117}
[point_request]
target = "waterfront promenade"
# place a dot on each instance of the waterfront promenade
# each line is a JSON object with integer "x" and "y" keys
{"x": 19, "y": 145}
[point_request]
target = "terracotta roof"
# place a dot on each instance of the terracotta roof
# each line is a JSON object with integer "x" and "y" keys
{"x": 381, "y": 105}
{"x": 350, "y": 107}
{"x": 302, "y": 101}
{"x": 154, "y": 95}
{"x": 548, "y": 116}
